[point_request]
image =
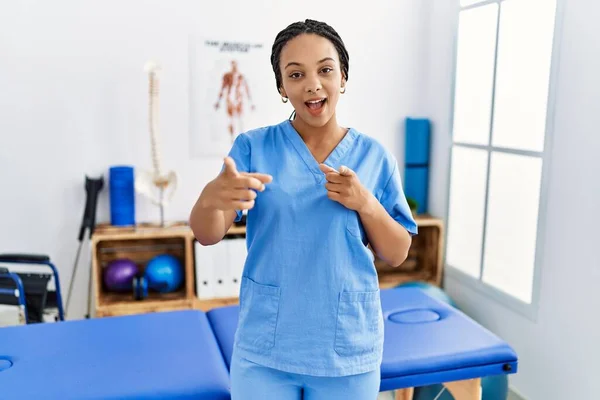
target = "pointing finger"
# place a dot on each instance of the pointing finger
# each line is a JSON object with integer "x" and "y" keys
{"x": 264, "y": 178}
{"x": 326, "y": 168}
{"x": 346, "y": 171}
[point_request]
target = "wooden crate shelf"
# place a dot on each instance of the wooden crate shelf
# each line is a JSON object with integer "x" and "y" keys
{"x": 140, "y": 244}
{"x": 145, "y": 241}
{"x": 124, "y": 299}
{"x": 424, "y": 261}
{"x": 143, "y": 307}
{"x": 209, "y": 304}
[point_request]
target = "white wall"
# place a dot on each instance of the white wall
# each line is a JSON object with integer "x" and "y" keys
{"x": 73, "y": 99}
{"x": 559, "y": 351}
{"x": 71, "y": 77}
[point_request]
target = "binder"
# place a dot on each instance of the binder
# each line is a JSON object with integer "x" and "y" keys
{"x": 236, "y": 262}
{"x": 204, "y": 260}
{"x": 220, "y": 266}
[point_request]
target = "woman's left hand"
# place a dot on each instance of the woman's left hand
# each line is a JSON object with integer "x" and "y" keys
{"x": 344, "y": 187}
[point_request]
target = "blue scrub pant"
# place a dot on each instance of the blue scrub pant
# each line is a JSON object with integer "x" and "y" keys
{"x": 250, "y": 381}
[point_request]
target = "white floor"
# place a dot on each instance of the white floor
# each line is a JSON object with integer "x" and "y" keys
{"x": 390, "y": 396}
{"x": 9, "y": 315}
{"x": 386, "y": 396}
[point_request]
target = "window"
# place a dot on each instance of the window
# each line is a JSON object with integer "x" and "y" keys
{"x": 501, "y": 91}
{"x": 465, "y": 3}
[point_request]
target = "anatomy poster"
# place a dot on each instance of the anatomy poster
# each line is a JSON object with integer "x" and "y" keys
{"x": 232, "y": 91}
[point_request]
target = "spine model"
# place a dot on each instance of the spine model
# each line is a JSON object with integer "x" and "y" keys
{"x": 156, "y": 185}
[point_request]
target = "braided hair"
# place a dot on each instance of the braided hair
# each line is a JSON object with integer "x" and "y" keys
{"x": 308, "y": 26}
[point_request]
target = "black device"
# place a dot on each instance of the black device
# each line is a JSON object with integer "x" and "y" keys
{"x": 93, "y": 187}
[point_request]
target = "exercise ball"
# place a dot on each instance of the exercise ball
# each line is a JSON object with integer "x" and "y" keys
{"x": 432, "y": 291}
{"x": 493, "y": 388}
{"x": 164, "y": 273}
{"x": 119, "y": 274}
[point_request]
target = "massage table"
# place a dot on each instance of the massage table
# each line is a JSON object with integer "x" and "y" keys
{"x": 186, "y": 354}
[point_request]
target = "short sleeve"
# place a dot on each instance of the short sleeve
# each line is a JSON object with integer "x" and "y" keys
{"x": 240, "y": 152}
{"x": 394, "y": 201}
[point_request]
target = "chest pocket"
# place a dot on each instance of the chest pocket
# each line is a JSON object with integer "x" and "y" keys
{"x": 358, "y": 325}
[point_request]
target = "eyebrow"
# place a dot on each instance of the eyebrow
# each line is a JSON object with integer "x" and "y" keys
{"x": 318, "y": 62}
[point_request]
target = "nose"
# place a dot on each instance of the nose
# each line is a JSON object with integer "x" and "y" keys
{"x": 313, "y": 85}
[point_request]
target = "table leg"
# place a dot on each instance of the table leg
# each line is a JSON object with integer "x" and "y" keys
{"x": 404, "y": 394}
{"x": 465, "y": 390}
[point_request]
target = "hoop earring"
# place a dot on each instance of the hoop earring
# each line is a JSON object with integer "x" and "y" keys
{"x": 284, "y": 99}
{"x": 343, "y": 90}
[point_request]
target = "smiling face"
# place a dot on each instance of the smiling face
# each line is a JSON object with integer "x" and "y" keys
{"x": 311, "y": 78}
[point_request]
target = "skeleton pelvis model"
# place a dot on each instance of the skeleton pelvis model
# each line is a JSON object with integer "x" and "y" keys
{"x": 157, "y": 185}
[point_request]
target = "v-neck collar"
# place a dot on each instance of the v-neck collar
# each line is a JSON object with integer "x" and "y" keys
{"x": 313, "y": 165}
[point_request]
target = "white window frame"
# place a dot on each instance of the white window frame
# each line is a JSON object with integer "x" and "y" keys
{"x": 529, "y": 310}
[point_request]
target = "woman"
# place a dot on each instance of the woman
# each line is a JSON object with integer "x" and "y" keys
{"x": 310, "y": 323}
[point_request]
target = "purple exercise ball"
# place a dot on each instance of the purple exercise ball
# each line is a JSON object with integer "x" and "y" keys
{"x": 119, "y": 274}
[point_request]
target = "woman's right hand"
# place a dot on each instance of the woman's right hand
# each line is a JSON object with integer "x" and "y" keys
{"x": 233, "y": 190}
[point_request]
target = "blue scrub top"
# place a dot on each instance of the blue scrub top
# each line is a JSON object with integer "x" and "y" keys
{"x": 309, "y": 296}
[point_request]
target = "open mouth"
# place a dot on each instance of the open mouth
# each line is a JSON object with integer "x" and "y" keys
{"x": 316, "y": 105}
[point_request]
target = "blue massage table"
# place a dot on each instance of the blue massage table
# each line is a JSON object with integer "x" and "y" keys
{"x": 186, "y": 354}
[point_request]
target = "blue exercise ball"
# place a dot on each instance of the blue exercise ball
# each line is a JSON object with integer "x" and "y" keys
{"x": 431, "y": 290}
{"x": 164, "y": 273}
{"x": 493, "y": 388}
